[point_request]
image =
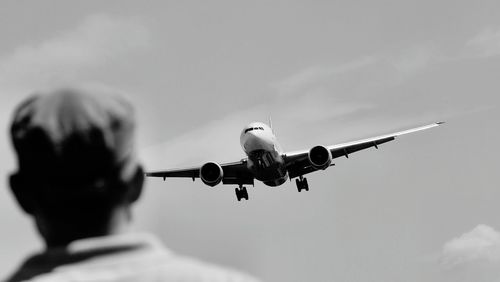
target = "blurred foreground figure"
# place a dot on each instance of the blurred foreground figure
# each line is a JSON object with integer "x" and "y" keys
{"x": 78, "y": 177}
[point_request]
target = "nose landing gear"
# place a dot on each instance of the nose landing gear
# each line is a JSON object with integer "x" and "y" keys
{"x": 302, "y": 184}
{"x": 241, "y": 193}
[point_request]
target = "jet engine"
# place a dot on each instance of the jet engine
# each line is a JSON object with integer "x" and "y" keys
{"x": 320, "y": 157}
{"x": 211, "y": 173}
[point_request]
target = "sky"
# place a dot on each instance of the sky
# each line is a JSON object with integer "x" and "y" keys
{"x": 422, "y": 208}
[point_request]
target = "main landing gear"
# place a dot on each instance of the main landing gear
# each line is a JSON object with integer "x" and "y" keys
{"x": 241, "y": 193}
{"x": 302, "y": 184}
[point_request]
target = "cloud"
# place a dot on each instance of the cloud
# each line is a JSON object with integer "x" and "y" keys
{"x": 366, "y": 73}
{"x": 413, "y": 59}
{"x": 311, "y": 75}
{"x": 483, "y": 45}
{"x": 96, "y": 41}
{"x": 317, "y": 107}
{"x": 481, "y": 244}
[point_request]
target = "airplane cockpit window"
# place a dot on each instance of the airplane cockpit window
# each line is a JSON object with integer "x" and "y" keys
{"x": 253, "y": 128}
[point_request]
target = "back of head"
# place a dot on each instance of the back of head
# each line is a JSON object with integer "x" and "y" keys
{"x": 76, "y": 154}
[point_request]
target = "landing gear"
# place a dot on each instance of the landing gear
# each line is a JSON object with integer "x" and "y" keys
{"x": 241, "y": 193}
{"x": 302, "y": 184}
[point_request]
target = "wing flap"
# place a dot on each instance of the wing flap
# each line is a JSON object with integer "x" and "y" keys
{"x": 193, "y": 172}
{"x": 345, "y": 151}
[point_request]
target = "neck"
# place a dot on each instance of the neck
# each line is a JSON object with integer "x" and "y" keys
{"x": 59, "y": 233}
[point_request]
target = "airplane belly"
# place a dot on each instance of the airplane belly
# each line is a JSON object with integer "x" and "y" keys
{"x": 268, "y": 167}
{"x": 276, "y": 182}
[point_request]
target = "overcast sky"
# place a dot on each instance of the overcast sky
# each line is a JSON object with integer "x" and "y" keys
{"x": 422, "y": 208}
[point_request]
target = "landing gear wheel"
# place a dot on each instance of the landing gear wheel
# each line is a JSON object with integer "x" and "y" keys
{"x": 244, "y": 193}
{"x": 302, "y": 184}
{"x": 241, "y": 193}
{"x": 299, "y": 185}
{"x": 238, "y": 196}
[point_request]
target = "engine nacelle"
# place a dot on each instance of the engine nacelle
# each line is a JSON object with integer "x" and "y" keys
{"x": 211, "y": 173}
{"x": 320, "y": 157}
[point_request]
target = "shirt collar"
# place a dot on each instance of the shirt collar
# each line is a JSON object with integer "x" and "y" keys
{"x": 87, "y": 248}
{"x": 111, "y": 242}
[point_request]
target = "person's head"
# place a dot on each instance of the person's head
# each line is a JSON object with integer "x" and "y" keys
{"x": 78, "y": 172}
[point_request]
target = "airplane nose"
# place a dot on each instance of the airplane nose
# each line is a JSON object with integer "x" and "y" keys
{"x": 252, "y": 136}
{"x": 257, "y": 141}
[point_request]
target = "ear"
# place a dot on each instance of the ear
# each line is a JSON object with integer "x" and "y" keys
{"x": 135, "y": 185}
{"x": 22, "y": 191}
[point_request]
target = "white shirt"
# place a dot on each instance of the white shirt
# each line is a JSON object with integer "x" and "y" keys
{"x": 127, "y": 258}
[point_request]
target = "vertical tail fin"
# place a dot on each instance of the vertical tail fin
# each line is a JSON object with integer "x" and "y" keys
{"x": 271, "y": 124}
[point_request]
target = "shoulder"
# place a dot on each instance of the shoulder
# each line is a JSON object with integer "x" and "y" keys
{"x": 199, "y": 270}
{"x": 171, "y": 266}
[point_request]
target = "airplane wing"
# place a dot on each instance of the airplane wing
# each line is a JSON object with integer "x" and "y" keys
{"x": 298, "y": 163}
{"x": 234, "y": 173}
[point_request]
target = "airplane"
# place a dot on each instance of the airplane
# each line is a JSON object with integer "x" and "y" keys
{"x": 268, "y": 163}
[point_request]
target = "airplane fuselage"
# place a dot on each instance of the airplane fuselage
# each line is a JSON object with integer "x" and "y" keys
{"x": 265, "y": 156}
